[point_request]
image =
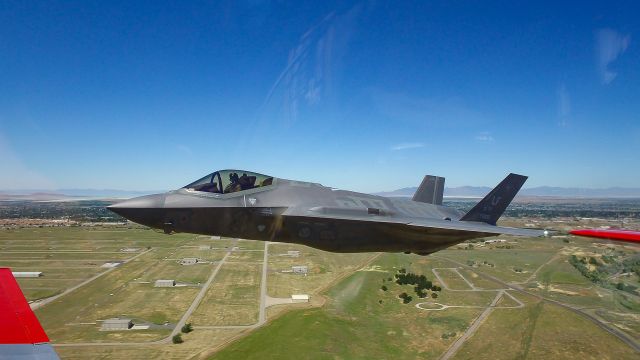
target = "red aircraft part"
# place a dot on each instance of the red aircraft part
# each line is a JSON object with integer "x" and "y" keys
{"x": 19, "y": 323}
{"x": 622, "y": 235}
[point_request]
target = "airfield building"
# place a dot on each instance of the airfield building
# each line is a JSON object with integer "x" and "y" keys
{"x": 117, "y": 324}
{"x": 111, "y": 264}
{"x": 491, "y": 241}
{"x": 189, "y": 261}
{"x": 299, "y": 298}
{"x": 165, "y": 283}
{"x": 204, "y": 247}
{"x": 293, "y": 253}
{"x": 27, "y": 274}
{"x": 302, "y": 269}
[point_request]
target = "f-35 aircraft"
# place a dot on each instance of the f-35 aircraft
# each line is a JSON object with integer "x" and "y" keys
{"x": 243, "y": 204}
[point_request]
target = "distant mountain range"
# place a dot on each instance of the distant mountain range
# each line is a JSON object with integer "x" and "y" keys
{"x": 70, "y": 194}
{"x": 460, "y": 192}
{"x": 481, "y": 191}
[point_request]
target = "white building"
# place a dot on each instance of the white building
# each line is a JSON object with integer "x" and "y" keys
{"x": 495, "y": 241}
{"x": 299, "y": 298}
{"x": 301, "y": 269}
{"x": 27, "y": 274}
{"x": 189, "y": 261}
{"x": 165, "y": 283}
{"x": 117, "y": 324}
{"x": 204, "y": 247}
{"x": 111, "y": 264}
{"x": 293, "y": 253}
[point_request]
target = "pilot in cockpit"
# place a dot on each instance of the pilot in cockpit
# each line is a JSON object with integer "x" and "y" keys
{"x": 234, "y": 184}
{"x": 247, "y": 182}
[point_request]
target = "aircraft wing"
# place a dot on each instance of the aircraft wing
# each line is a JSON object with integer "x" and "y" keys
{"x": 21, "y": 336}
{"x": 479, "y": 229}
{"x": 610, "y": 234}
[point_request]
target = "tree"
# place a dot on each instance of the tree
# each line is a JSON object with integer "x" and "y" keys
{"x": 434, "y": 295}
{"x": 383, "y": 288}
{"x": 187, "y": 328}
{"x": 177, "y": 339}
{"x": 620, "y": 286}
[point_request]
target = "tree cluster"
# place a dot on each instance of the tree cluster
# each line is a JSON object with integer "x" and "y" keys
{"x": 187, "y": 328}
{"x": 420, "y": 282}
{"x": 177, "y": 339}
{"x": 580, "y": 264}
{"x": 448, "y": 335}
{"x": 632, "y": 264}
{"x": 406, "y": 298}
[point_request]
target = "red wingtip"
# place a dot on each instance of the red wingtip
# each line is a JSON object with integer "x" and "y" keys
{"x": 19, "y": 323}
{"x": 611, "y": 234}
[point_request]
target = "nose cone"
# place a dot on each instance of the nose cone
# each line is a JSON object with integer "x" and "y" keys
{"x": 146, "y": 210}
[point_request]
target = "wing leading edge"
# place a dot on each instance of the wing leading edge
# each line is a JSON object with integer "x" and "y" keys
{"x": 471, "y": 229}
{"x": 21, "y": 335}
{"x": 468, "y": 226}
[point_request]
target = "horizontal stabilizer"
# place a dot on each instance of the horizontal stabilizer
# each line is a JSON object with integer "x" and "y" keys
{"x": 430, "y": 190}
{"x": 490, "y": 208}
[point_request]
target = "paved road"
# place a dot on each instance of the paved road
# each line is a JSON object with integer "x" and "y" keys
{"x": 465, "y": 279}
{"x": 472, "y": 329}
{"x": 263, "y": 299}
{"x": 38, "y": 304}
{"x": 617, "y": 333}
{"x": 261, "y": 318}
{"x": 263, "y": 285}
{"x": 179, "y": 325}
{"x": 530, "y": 278}
{"x": 446, "y": 287}
{"x": 198, "y": 299}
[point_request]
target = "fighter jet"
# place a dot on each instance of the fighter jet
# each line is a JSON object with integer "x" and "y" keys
{"x": 243, "y": 204}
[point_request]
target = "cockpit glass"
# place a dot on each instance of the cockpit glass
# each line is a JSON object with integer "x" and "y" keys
{"x": 209, "y": 183}
{"x": 230, "y": 181}
{"x": 238, "y": 180}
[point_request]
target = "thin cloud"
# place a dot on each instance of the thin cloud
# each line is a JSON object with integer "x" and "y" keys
{"x": 406, "y": 146}
{"x": 312, "y": 66}
{"x": 184, "y": 149}
{"x": 609, "y": 46}
{"x": 484, "y": 136}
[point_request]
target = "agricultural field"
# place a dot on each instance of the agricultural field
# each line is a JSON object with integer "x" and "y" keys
{"x": 480, "y": 292}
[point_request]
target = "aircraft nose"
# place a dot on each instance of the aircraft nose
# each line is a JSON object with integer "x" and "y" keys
{"x": 146, "y": 210}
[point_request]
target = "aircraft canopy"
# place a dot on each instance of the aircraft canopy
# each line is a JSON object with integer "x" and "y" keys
{"x": 229, "y": 181}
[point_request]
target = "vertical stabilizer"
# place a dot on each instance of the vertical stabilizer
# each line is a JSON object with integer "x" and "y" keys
{"x": 430, "y": 190}
{"x": 490, "y": 208}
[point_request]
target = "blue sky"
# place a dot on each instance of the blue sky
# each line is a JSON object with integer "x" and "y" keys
{"x": 366, "y": 96}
